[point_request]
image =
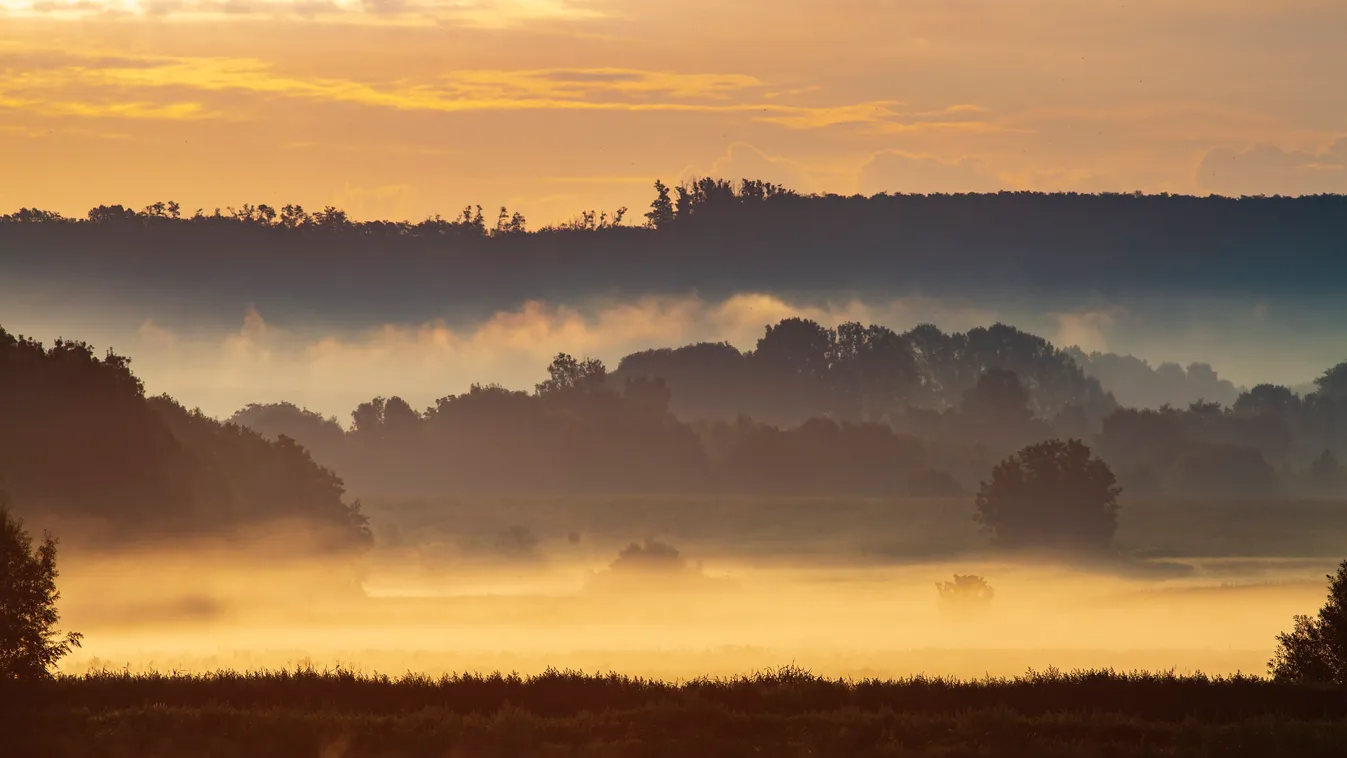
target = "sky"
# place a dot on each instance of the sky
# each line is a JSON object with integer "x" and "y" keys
{"x": 407, "y": 108}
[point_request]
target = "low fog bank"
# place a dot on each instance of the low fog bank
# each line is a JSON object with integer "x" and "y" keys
{"x": 221, "y": 363}
{"x": 653, "y": 607}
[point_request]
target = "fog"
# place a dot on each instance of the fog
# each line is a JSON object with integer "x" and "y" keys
{"x": 221, "y": 367}
{"x": 843, "y": 584}
{"x": 452, "y": 602}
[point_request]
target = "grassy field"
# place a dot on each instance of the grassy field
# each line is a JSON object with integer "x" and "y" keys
{"x": 843, "y": 586}
{"x": 785, "y": 712}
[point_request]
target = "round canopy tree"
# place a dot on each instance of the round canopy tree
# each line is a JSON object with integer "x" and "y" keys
{"x": 1053, "y": 494}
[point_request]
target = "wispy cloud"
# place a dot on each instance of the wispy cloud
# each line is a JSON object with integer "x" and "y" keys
{"x": 480, "y": 13}
{"x": 118, "y": 87}
{"x": 116, "y": 109}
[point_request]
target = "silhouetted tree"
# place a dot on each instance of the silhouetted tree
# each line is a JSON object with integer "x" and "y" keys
{"x": 30, "y": 645}
{"x": 1326, "y": 471}
{"x": 146, "y": 465}
{"x": 1052, "y": 494}
{"x": 322, "y": 436}
{"x": 568, "y": 374}
{"x": 652, "y": 556}
{"x": 1315, "y": 650}
{"x": 998, "y": 398}
{"x": 1333, "y": 382}
{"x": 796, "y": 347}
{"x": 1267, "y": 399}
{"x": 1137, "y": 384}
{"x": 651, "y": 396}
{"x": 872, "y": 372}
{"x": 661, "y": 213}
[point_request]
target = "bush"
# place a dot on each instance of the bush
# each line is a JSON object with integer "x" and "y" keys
{"x": 968, "y": 592}
{"x": 29, "y": 642}
{"x": 652, "y": 557}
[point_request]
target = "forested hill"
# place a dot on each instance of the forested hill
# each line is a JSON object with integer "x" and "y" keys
{"x": 80, "y": 441}
{"x": 714, "y": 237}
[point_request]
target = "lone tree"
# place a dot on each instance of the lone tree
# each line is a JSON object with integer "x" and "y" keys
{"x": 29, "y": 642}
{"x": 1316, "y": 649}
{"x": 968, "y": 593}
{"x": 1052, "y": 494}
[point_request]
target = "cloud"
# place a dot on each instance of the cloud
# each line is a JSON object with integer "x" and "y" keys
{"x": 896, "y": 171}
{"x": 111, "y": 87}
{"x": 389, "y": 201}
{"x": 382, "y": 7}
{"x": 135, "y": 109}
{"x": 1269, "y": 170}
{"x": 744, "y": 161}
{"x": 491, "y": 14}
{"x": 1084, "y": 329}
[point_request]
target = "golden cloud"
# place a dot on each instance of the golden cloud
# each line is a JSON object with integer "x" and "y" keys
{"x": 98, "y": 78}
{"x": 491, "y": 14}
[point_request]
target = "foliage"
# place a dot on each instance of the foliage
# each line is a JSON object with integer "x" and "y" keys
{"x": 1315, "y": 650}
{"x": 786, "y": 712}
{"x": 965, "y": 592}
{"x": 1052, "y": 494}
{"x": 30, "y": 645}
{"x": 567, "y": 374}
{"x": 1138, "y": 384}
{"x": 149, "y": 466}
{"x": 801, "y": 369}
{"x": 652, "y": 556}
{"x": 843, "y": 410}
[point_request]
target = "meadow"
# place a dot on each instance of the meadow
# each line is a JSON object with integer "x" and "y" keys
{"x": 205, "y": 654}
{"x": 843, "y": 587}
{"x": 784, "y": 712}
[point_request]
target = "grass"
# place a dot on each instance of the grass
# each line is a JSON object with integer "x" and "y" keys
{"x": 784, "y": 712}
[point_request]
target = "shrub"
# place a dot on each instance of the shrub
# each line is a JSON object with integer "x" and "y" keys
{"x": 968, "y": 592}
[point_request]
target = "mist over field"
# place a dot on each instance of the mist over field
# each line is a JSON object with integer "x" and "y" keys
{"x": 608, "y": 378}
{"x": 838, "y": 602}
{"x": 657, "y": 470}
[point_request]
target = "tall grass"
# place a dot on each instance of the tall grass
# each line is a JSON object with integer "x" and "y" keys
{"x": 786, "y": 690}
{"x": 781, "y": 712}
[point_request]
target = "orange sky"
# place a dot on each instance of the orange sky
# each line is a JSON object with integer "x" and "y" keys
{"x": 403, "y": 108}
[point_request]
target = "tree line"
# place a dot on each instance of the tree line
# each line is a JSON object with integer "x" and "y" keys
{"x": 851, "y": 409}
{"x": 845, "y": 410}
{"x": 711, "y": 236}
